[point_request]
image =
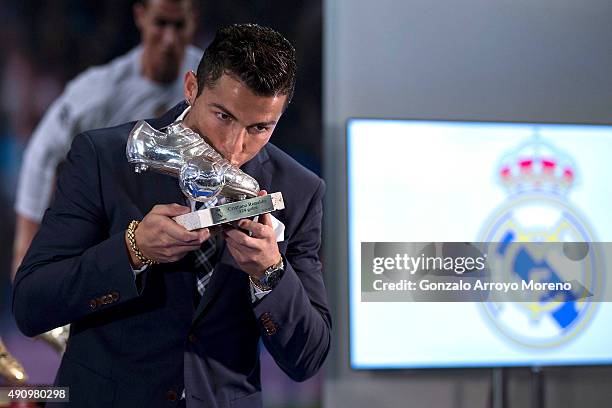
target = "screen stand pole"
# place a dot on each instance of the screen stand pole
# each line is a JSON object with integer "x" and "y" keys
{"x": 537, "y": 387}
{"x": 498, "y": 388}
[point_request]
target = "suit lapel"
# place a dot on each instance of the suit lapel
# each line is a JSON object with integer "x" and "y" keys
{"x": 157, "y": 188}
{"x": 168, "y": 117}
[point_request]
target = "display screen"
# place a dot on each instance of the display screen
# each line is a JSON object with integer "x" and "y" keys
{"x": 447, "y": 181}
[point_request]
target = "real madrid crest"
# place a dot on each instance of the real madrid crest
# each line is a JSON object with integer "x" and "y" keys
{"x": 539, "y": 179}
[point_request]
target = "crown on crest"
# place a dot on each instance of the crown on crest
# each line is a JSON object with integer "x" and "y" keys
{"x": 537, "y": 166}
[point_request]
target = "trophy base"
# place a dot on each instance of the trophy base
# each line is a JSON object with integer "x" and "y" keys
{"x": 225, "y": 213}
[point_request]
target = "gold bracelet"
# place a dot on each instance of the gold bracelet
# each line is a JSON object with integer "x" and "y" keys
{"x": 131, "y": 235}
{"x": 257, "y": 284}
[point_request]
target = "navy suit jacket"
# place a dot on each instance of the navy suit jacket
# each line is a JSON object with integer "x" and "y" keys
{"x": 140, "y": 342}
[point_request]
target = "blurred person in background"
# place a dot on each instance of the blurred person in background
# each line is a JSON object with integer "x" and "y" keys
{"x": 143, "y": 83}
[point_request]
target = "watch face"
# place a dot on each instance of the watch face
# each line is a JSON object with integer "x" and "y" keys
{"x": 265, "y": 283}
{"x": 268, "y": 279}
{"x": 271, "y": 277}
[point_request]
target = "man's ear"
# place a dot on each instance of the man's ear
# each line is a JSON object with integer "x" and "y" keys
{"x": 191, "y": 87}
{"x": 139, "y": 11}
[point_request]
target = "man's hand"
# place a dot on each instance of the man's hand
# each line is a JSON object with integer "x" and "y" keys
{"x": 258, "y": 252}
{"x": 25, "y": 230}
{"x": 161, "y": 239}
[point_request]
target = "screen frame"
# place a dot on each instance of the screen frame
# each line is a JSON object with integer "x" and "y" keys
{"x": 347, "y": 231}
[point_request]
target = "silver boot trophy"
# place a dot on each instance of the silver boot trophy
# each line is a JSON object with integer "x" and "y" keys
{"x": 202, "y": 173}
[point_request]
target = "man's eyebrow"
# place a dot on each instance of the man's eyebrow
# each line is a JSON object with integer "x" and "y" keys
{"x": 227, "y": 112}
{"x": 224, "y": 109}
{"x": 165, "y": 20}
{"x": 264, "y": 124}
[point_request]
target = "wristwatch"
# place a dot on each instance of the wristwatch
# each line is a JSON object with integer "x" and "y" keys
{"x": 271, "y": 277}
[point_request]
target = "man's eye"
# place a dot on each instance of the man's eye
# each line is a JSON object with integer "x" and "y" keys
{"x": 260, "y": 129}
{"x": 223, "y": 116}
{"x": 160, "y": 22}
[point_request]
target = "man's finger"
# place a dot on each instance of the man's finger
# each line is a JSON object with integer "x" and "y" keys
{"x": 197, "y": 243}
{"x": 179, "y": 233}
{"x": 203, "y": 234}
{"x": 257, "y": 230}
{"x": 240, "y": 252}
{"x": 232, "y": 244}
{"x": 176, "y": 253}
{"x": 235, "y": 249}
{"x": 170, "y": 210}
{"x": 241, "y": 238}
{"x": 266, "y": 219}
{"x": 183, "y": 249}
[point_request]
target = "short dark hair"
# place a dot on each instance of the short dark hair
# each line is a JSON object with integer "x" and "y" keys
{"x": 191, "y": 2}
{"x": 258, "y": 56}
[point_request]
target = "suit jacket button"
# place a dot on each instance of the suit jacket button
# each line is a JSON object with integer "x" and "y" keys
{"x": 171, "y": 395}
{"x": 93, "y": 304}
{"x": 270, "y": 328}
{"x": 192, "y": 338}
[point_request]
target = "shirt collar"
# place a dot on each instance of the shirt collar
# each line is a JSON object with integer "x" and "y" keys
{"x": 182, "y": 115}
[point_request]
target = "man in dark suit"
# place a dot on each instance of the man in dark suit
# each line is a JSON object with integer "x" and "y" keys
{"x": 146, "y": 338}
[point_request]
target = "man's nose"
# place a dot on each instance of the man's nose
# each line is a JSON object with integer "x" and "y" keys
{"x": 169, "y": 35}
{"x": 235, "y": 144}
